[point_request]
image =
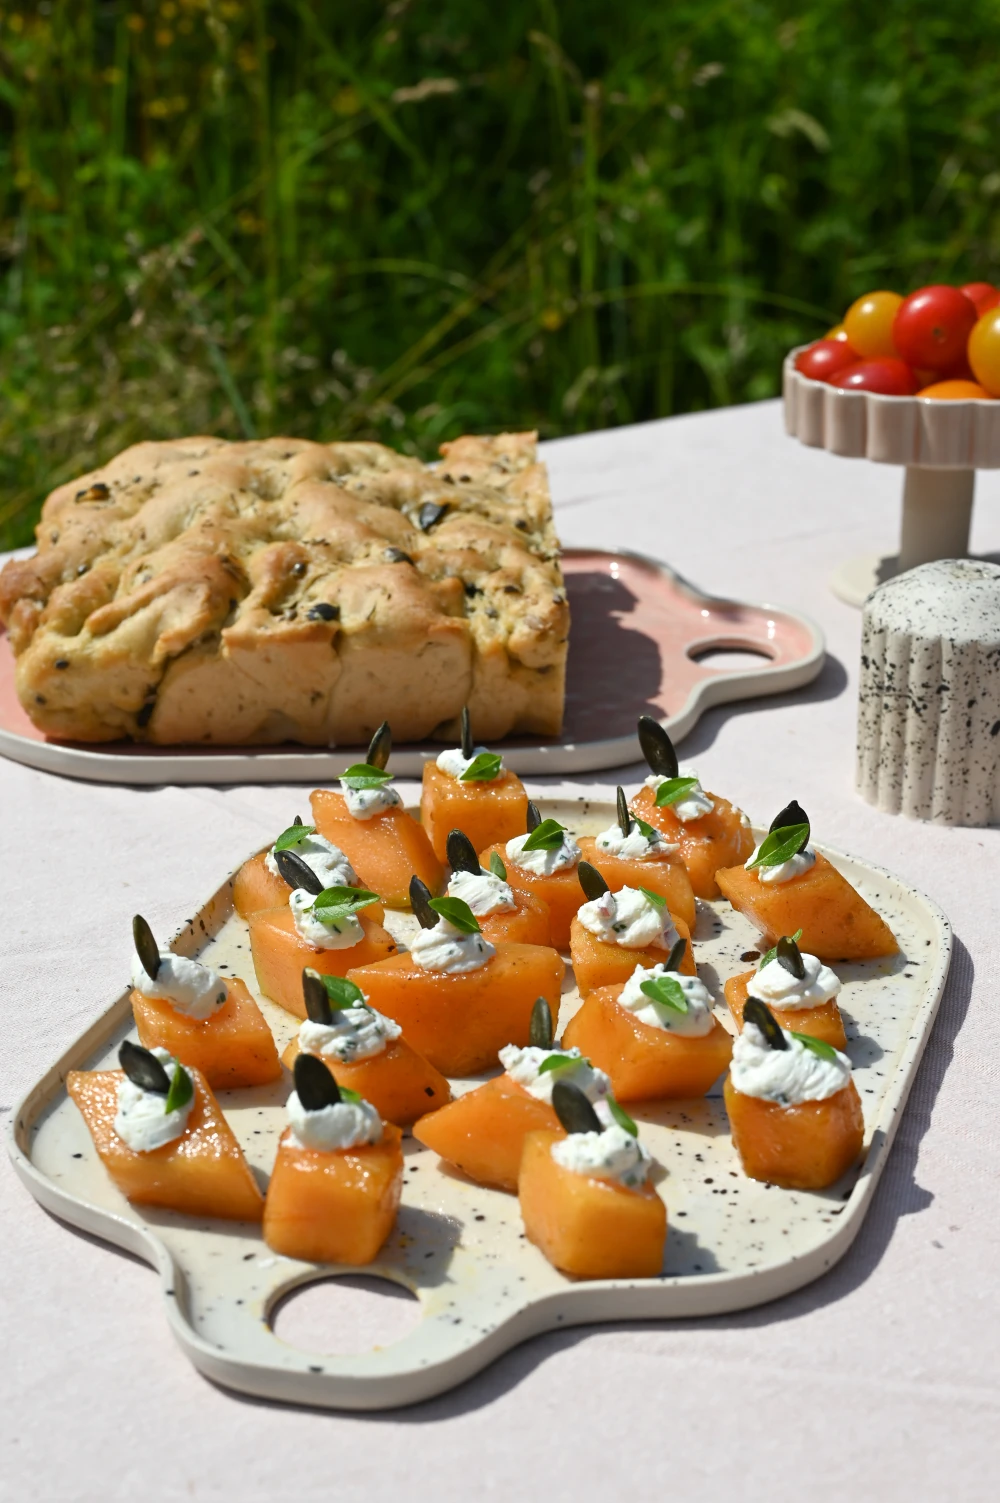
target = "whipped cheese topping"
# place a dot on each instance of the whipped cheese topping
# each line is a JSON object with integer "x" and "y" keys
{"x": 693, "y": 804}
{"x": 455, "y": 764}
{"x": 785, "y": 871}
{"x": 777, "y": 986}
{"x": 485, "y": 893}
{"x": 523, "y": 1067}
{"x": 635, "y": 846}
{"x": 629, "y": 919}
{"x": 322, "y": 857}
{"x": 141, "y": 1121}
{"x": 694, "y": 1023}
{"x": 191, "y": 988}
{"x": 787, "y": 1076}
{"x": 355, "y": 1033}
{"x": 611, "y": 1154}
{"x": 365, "y": 803}
{"x": 334, "y": 936}
{"x": 544, "y": 863}
{"x": 347, "y": 1124}
{"x": 447, "y": 949}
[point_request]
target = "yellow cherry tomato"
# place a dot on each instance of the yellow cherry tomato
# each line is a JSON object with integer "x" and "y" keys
{"x": 984, "y": 351}
{"x": 837, "y": 332}
{"x": 868, "y": 324}
{"x": 955, "y": 391}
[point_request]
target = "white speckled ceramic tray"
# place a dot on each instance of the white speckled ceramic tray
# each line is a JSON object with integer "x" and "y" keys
{"x": 642, "y": 641}
{"x": 732, "y": 1242}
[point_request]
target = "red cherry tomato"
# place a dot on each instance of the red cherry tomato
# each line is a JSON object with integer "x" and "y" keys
{"x": 983, "y": 294}
{"x": 825, "y": 358}
{"x": 890, "y": 378}
{"x": 931, "y": 327}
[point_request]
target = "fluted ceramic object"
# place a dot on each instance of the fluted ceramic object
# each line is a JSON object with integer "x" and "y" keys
{"x": 929, "y": 699}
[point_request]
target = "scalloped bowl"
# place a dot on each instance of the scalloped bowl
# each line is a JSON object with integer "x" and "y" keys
{"x": 962, "y": 435}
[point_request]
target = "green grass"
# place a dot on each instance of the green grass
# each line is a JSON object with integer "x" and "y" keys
{"x": 405, "y": 221}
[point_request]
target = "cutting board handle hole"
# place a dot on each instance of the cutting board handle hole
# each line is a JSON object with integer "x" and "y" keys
{"x": 345, "y": 1316}
{"x": 729, "y": 655}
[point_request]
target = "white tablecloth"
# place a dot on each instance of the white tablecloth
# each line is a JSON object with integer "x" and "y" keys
{"x": 882, "y": 1377}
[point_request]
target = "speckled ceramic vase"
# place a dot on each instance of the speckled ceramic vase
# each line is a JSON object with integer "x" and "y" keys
{"x": 929, "y": 699}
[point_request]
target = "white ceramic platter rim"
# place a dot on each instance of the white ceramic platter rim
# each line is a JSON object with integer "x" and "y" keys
{"x": 319, "y": 764}
{"x": 441, "y": 1352}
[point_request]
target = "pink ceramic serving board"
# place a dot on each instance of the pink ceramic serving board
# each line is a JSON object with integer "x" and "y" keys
{"x": 640, "y": 643}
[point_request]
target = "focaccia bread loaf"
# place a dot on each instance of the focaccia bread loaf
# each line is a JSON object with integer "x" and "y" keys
{"x": 252, "y": 593}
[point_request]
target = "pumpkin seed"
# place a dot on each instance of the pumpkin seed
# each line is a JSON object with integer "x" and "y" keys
{"x": 574, "y": 1111}
{"x": 534, "y": 818}
{"x": 657, "y": 748}
{"x": 143, "y": 1068}
{"x": 146, "y": 947}
{"x": 314, "y": 1084}
{"x": 429, "y": 515}
{"x": 541, "y": 1028}
{"x": 380, "y": 747}
{"x": 624, "y": 817}
{"x": 461, "y": 853}
{"x": 318, "y": 1009}
{"x": 758, "y": 1013}
{"x": 788, "y": 954}
{"x": 467, "y": 747}
{"x": 420, "y": 902}
{"x": 791, "y": 814}
{"x": 591, "y": 881}
{"x": 675, "y": 959}
{"x": 296, "y": 873}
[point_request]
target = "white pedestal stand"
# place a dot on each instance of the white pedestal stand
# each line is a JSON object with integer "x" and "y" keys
{"x": 937, "y": 519}
{"x": 940, "y": 445}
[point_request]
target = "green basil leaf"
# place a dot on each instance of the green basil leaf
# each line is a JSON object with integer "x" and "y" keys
{"x": 343, "y": 993}
{"x": 644, "y": 829}
{"x": 335, "y": 903}
{"x": 769, "y": 955}
{"x": 548, "y": 836}
{"x": 347, "y": 1095}
{"x": 622, "y": 1117}
{"x": 497, "y": 867}
{"x": 459, "y": 914}
{"x": 818, "y": 1046}
{"x": 292, "y": 836}
{"x": 667, "y": 991}
{"x": 483, "y": 768}
{"x": 558, "y": 1061}
{"x": 362, "y": 776}
{"x": 181, "y": 1090}
{"x": 657, "y": 900}
{"x": 672, "y": 790}
{"x": 780, "y": 845}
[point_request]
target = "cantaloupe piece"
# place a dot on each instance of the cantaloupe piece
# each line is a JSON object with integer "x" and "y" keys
{"x": 668, "y": 877}
{"x": 400, "y": 1084}
{"x": 562, "y": 892}
{"x": 596, "y": 963}
{"x": 527, "y": 924}
{"x": 334, "y": 1207}
{"x": 255, "y": 889}
{"x": 460, "y": 1022}
{"x": 822, "y": 1022}
{"x": 645, "y": 1063}
{"x": 483, "y": 1132}
{"x": 201, "y": 1173}
{"x": 233, "y": 1047}
{"x": 280, "y": 955}
{"x": 836, "y": 922}
{"x": 803, "y": 1147}
{"x": 488, "y": 812}
{"x": 385, "y": 851}
{"x": 717, "y": 839}
{"x": 589, "y": 1228}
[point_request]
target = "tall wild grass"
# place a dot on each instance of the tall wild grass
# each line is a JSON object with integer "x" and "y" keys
{"x": 340, "y": 218}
